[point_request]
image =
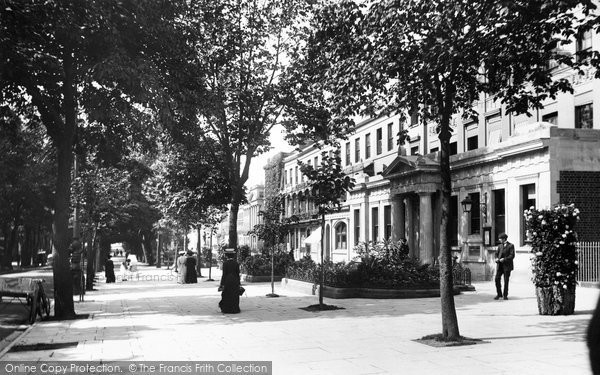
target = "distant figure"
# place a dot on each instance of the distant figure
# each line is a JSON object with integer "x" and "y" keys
{"x": 109, "y": 270}
{"x": 76, "y": 251}
{"x": 123, "y": 271}
{"x": 190, "y": 269}
{"x": 181, "y": 268}
{"x": 593, "y": 340}
{"x": 230, "y": 284}
{"x": 504, "y": 264}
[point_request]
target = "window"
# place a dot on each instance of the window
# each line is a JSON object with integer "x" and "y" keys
{"x": 356, "y": 227}
{"x": 551, "y": 118}
{"x": 340, "y": 236}
{"x": 316, "y": 162}
{"x": 296, "y": 176}
{"x": 347, "y": 153}
{"x": 453, "y": 148}
{"x": 414, "y": 150}
{"x": 414, "y": 119}
{"x": 357, "y": 150}
{"x": 583, "y": 45}
{"x": 367, "y": 146}
{"x": 584, "y": 116}
{"x": 375, "y": 221}
{"x": 390, "y": 136}
{"x": 379, "y": 141}
{"x": 387, "y": 222}
{"x": 499, "y": 213}
{"x": 285, "y": 177}
{"x": 472, "y": 143}
{"x": 527, "y": 201}
{"x": 475, "y": 219}
{"x": 435, "y": 149}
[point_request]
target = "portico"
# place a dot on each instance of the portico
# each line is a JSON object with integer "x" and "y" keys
{"x": 414, "y": 187}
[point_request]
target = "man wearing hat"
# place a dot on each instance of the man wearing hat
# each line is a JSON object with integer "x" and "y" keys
{"x": 504, "y": 264}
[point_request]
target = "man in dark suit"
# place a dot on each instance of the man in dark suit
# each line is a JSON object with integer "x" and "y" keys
{"x": 504, "y": 264}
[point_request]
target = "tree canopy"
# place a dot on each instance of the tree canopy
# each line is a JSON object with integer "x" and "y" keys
{"x": 435, "y": 59}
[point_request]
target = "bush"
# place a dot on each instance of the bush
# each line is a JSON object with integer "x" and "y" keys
{"x": 380, "y": 265}
{"x": 553, "y": 244}
{"x": 260, "y": 265}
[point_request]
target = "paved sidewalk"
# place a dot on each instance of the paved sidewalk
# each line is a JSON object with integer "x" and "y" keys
{"x": 153, "y": 318}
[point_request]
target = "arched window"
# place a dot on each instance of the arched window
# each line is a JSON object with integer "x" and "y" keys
{"x": 341, "y": 236}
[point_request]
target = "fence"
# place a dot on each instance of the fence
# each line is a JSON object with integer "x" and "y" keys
{"x": 589, "y": 262}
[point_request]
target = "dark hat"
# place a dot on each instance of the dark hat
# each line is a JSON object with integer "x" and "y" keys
{"x": 190, "y": 252}
{"x": 502, "y": 235}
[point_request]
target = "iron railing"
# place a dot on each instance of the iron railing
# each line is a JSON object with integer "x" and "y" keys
{"x": 589, "y": 262}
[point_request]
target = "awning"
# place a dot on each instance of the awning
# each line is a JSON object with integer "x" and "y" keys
{"x": 314, "y": 237}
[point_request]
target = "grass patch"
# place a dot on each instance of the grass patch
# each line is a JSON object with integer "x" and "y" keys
{"x": 323, "y": 307}
{"x": 438, "y": 340}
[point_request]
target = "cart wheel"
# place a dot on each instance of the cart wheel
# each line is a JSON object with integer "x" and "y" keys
{"x": 34, "y": 307}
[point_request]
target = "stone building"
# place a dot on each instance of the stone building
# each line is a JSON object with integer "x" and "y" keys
{"x": 502, "y": 164}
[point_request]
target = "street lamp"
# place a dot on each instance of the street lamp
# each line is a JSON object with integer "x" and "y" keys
{"x": 466, "y": 204}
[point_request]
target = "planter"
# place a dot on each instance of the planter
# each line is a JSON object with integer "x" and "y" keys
{"x": 554, "y": 300}
{"x": 260, "y": 279}
{"x": 340, "y": 293}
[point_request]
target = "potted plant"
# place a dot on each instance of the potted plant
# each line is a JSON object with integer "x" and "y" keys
{"x": 554, "y": 259}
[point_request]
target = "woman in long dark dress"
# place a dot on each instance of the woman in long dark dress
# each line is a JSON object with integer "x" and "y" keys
{"x": 109, "y": 270}
{"x": 190, "y": 269}
{"x": 230, "y": 285}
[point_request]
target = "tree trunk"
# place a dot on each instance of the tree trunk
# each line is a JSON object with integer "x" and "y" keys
{"x": 450, "y": 329}
{"x": 144, "y": 248}
{"x": 322, "y": 281}
{"x": 158, "y": 249}
{"x": 199, "y": 249}
{"x": 63, "y": 282}
{"x": 233, "y": 215}
{"x": 91, "y": 263}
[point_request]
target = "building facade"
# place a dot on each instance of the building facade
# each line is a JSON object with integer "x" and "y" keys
{"x": 249, "y": 216}
{"x": 502, "y": 163}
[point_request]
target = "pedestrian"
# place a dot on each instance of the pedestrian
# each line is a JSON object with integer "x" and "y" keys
{"x": 593, "y": 340}
{"x": 109, "y": 270}
{"x": 504, "y": 264}
{"x": 181, "y": 268}
{"x": 230, "y": 284}
{"x": 123, "y": 270}
{"x": 191, "y": 277}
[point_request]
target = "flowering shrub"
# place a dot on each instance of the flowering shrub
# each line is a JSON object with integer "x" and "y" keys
{"x": 553, "y": 244}
{"x": 378, "y": 265}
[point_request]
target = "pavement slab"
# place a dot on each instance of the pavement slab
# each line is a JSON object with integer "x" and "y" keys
{"x": 150, "y": 317}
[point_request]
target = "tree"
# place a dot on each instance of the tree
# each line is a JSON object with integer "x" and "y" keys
{"x": 227, "y": 86}
{"x": 273, "y": 230}
{"x": 63, "y": 57}
{"x": 26, "y": 172}
{"x": 434, "y": 59}
{"x": 328, "y": 187}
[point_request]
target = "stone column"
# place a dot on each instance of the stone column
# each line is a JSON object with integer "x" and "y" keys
{"x": 398, "y": 218}
{"x": 426, "y": 228}
{"x": 410, "y": 225}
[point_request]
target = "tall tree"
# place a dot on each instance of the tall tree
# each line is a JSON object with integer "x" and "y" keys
{"x": 58, "y": 55}
{"x": 229, "y": 88}
{"x": 434, "y": 59}
{"x": 27, "y": 175}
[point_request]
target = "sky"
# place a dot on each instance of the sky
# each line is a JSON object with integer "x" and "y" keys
{"x": 278, "y": 143}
